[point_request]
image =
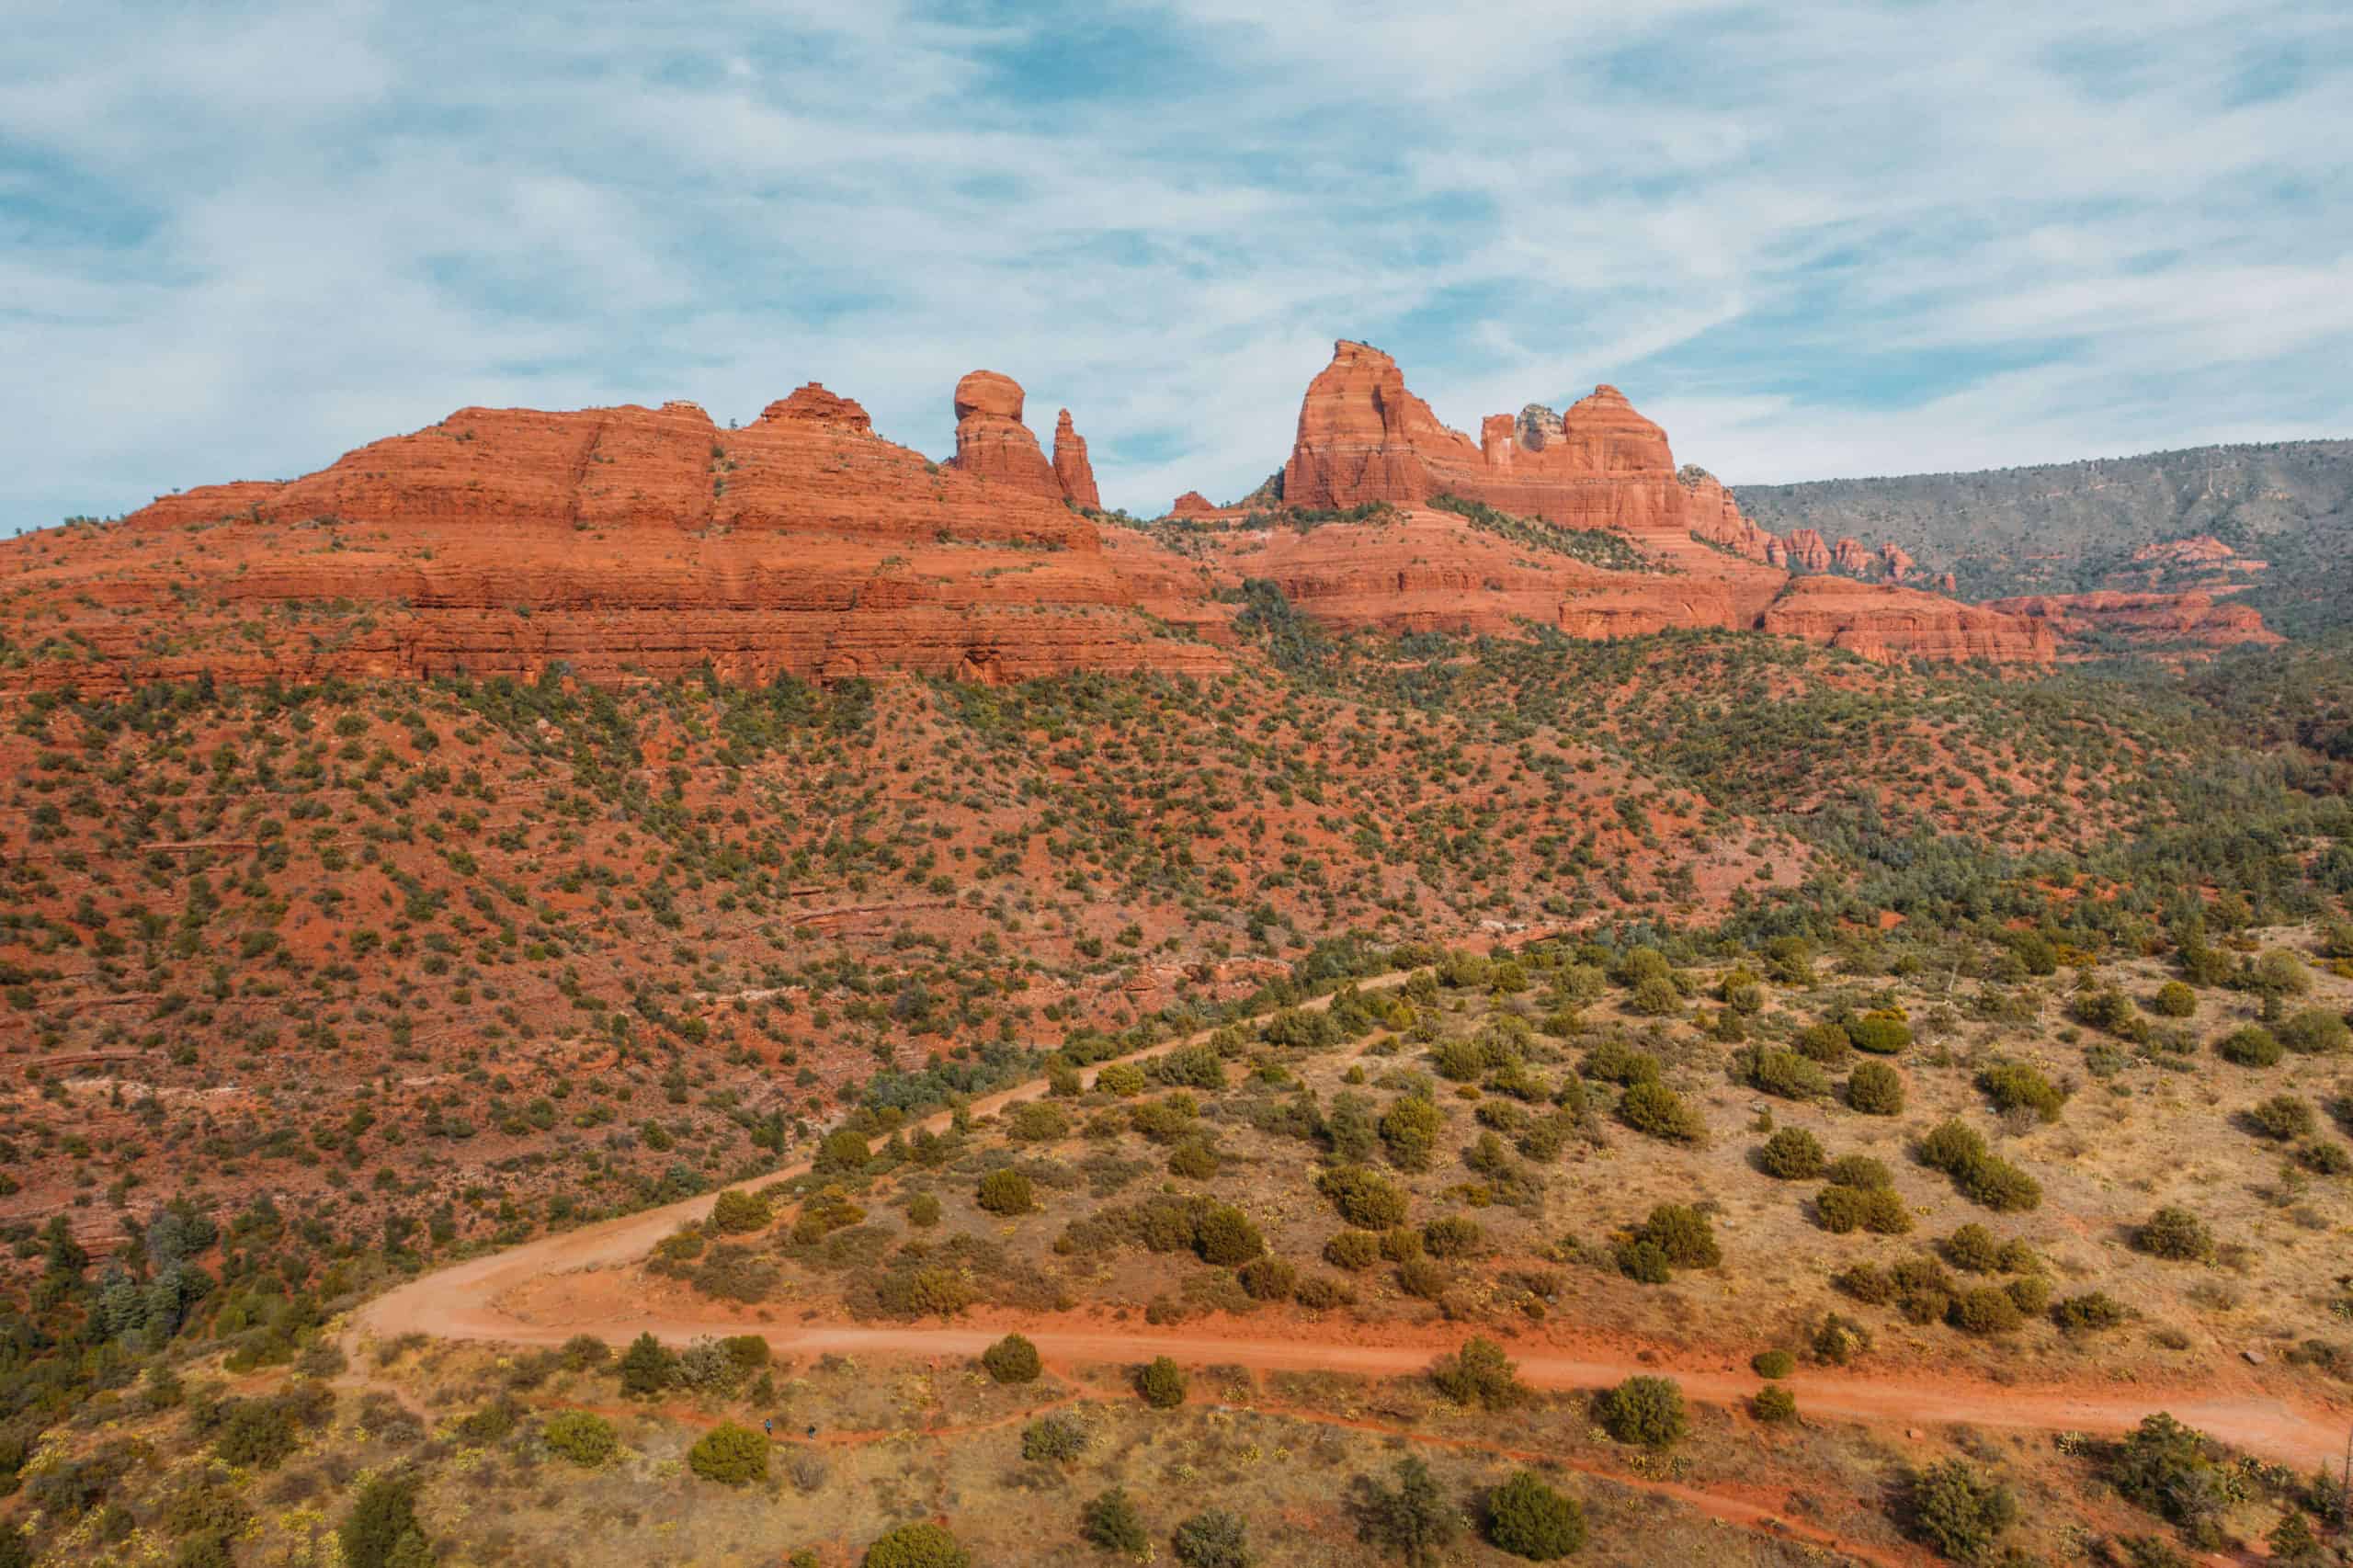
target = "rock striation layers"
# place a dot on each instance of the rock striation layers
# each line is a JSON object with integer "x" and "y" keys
{"x": 624, "y": 543}
{"x": 2150, "y": 617}
{"x": 613, "y": 543}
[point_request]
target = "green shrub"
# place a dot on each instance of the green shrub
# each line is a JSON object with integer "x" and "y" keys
{"x": 1413, "y": 1522}
{"x": 1454, "y": 1235}
{"x": 1529, "y": 1518}
{"x": 1226, "y": 1237}
{"x": 1213, "y": 1539}
{"x": 1409, "y": 1130}
{"x": 2314, "y": 1032}
{"x": 1786, "y": 1074}
{"x": 730, "y": 1454}
{"x": 1987, "y": 1309}
{"x": 738, "y": 1213}
{"x": 1858, "y": 1170}
{"x": 1957, "y": 1512}
{"x": 1654, "y": 1108}
{"x": 1837, "y": 1340}
{"x": 2173, "y": 1471}
{"x": 2088, "y": 1313}
{"x": 1004, "y": 1191}
{"x": 1952, "y": 1147}
{"x": 1875, "y": 1089}
{"x": 1053, "y": 1439}
{"x": 2253, "y": 1046}
{"x": 2000, "y": 1186}
{"x": 1826, "y": 1043}
{"x": 1012, "y": 1359}
{"x": 916, "y": 1546}
{"x": 1648, "y": 1411}
{"x": 1615, "y": 1061}
{"x": 2015, "y": 1085}
{"x": 922, "y": 1210}
{"x": 383, "y": 1530}
{"x": 1364, "y": 1197}
{"x": 1162, "y": 1383}
{"x": 1882, "y": 1033}
{"x": 2174, "y": 1000}
{"x": 580, "y": 1437}
{"x": 648, "y": 1366}
{"x": 1352, "y": 1250}
{"x": 2175, "y": 1234}
{"x": 1773, "y": 1363}
{"x": 1880, "y": 1210}
{"x": 1124, "y": 1079}
{"x": 2030, "y": 1291}
{"x": 1418, "y": 1277}
{"x": 1271, "y": 1279}
{"x": 1773, "y": 1405}
{"x": 1644, "y": 1263}
{"x": 1794, "y": 1154}
{"x": 1481, "y": 1374}
{"x": 1109, "y": 1521}
{"x": 2285, "y": 1117}
{"x": 1683, "y": 1234}
{"x": 1974, "y": 1247}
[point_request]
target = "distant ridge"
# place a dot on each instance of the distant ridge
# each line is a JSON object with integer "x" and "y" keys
{"x": 2075, "y": 527}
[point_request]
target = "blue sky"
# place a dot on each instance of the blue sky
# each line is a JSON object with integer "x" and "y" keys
{"x": 238, "y": 239}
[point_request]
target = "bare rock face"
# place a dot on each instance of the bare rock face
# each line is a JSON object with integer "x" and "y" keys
{"x": 617, "y": 543}
{"x": 813, "y": 404}
{"x": 991, "y": 441}
{"x": 1807, "y": 550}
{"x": 1897, "y": 563}
{"x": 1075, "y": 474}
{"x": 2198, "y": 618}
{"x": 1885, "y": 623}
{"x": 1848, "y": 555}
{"x": 1192, "y": 504}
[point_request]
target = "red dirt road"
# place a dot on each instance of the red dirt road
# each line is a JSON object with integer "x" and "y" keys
{"x": 466, "y": 1301}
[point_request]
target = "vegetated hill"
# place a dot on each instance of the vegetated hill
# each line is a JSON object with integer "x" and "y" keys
{"x": 2075, "y": 527}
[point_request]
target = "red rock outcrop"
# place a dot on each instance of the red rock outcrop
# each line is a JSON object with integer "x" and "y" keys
{"x": 1807, "y": 552}
{"x": 1363, "y": 436}
{"x": 2197, "y": 553}
{"x": 1848, "y": 555}
{"x": 1948, "y": 583}
{"x": 616, "y": 542}
{"x": 1885, "y": 623}
{"x": 1192, "y": 504}
{"x": 991, "y": 441}
{"x": 1896, "y": 561}
{"x": 2146, "y": 617}
{"x": 1072, "y": 470}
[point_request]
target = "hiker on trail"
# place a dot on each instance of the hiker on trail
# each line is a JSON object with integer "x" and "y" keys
{"x": 813, "y": 1429}
{"x": 769, "y": 1425}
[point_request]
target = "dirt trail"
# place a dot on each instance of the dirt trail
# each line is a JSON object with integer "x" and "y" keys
{"x": 465, "y": 1302}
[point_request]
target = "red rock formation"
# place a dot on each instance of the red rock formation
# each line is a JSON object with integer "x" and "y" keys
{"x": 1884, "y": 622}
{"x": 1192, "y": 504}
{"x": 617, "y": 542}
{"x": 1363, "y": 436}
{"x": 1849, "y": 556}
{"x": 991, "y": 441}
{"x": 1717, "y": 517}
{"x": 1948, "y": 583}
{"x": 812, "y": 404}
{"x": 1896, "y": 561}
{"x": 2146, "y": 617}
{"x": 1807, "y": 552}
{"x": 1075, "y": 474}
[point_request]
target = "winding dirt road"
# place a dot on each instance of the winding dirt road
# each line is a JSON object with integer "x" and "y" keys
{"x": 466, "y": 1301}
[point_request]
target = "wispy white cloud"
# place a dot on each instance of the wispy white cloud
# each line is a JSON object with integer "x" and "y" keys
{"x": 1843, "y": 238}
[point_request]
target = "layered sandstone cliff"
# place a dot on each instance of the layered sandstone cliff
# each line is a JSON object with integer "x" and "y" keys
{"x": 613, "y": 542}
{"x": 1072, "y": 470}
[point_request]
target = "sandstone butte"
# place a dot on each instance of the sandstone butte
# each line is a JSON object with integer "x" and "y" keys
{"x": 633, "y": 542}
{"x": 1363, "y": 436}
